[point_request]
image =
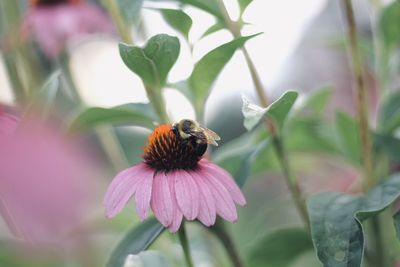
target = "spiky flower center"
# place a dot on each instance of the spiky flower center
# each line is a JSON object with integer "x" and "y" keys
{"x": 166, "y": 150}
{"x": 53, "y": 2}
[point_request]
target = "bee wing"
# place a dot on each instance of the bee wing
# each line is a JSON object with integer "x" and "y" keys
{"x": 212, "y": 137}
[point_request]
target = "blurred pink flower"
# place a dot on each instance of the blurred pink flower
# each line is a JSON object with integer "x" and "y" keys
{"x": 45, "y": 181}
{"x": 329, "y": 175}
{"x": 8, "y": 124}
{"x": 57, "y": 23}
{"x": 174, "y": 181}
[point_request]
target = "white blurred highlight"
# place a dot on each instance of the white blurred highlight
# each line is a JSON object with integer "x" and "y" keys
{"x": 178, "y": 106}
{"x": 133, "y": 261}
{"x": 6, "y": 95}
{"x": 102, "y": 77}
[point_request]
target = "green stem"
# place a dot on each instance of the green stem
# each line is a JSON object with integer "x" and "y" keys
{"x": 295, "y": 191}
{"x": 290, "y": 181}
{"x": 122, "y": 27}
{"x": 234, "y": 28}
{"x": 362, "y": 111}
{"x": 361, "y": 91}
{"x": 157, "y": 101}
{"x": 379, "y": 242}
{"x": 223, "y": 235}
{"x": 185, "y": 245}
{"x": 256, "y": 78}
{"x": 20, "y": 68}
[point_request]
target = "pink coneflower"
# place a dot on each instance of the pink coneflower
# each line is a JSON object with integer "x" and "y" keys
{"x": 175, "y": 182}
{"x": 46, "y": 180}
{"x": 57, "y": 23}
{"x": 8, "y": 124}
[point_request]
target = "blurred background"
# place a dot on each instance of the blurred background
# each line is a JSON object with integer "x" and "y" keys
{"x": 54, "y": 182}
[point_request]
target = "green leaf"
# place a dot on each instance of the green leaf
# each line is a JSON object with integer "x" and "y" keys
{"x": 209, "y": 6}
{"x": 238, "y": 156}
{"x": 239, "y": 165}
{"x": 178, "y": 20}
{"x": 389, "y": 144}
{"x": 137, "y": 240}
{"x": 132, "y": 140}
{"x": 50, "y": 88}
{"x": 388, "y": 25}
{"x": 131, "y": 114}
{"x": 337, "y": 235}
{"x": 336, "y": 222}
{"x": 380, "y": 197}
{"x": 46, "y": 96}
{"x": 308, "y": 259}
{"x": 245, "y": 167}
{"x": 212, "y": 29}
{"x": 310, "y": 134}
{"x": 130, "y": 9}
{"x": 184, "y": 88}
{"x": 243, "y": 4}
{"x": 208, "y": 68}
{"x": 153, "y": 62}
{"x": 280, "y": 248}
{"x": 277, "y": 111}
{"x": 317, "y": 101}
{"x": 348, "y": 137}
{"x": 390, "y": 113}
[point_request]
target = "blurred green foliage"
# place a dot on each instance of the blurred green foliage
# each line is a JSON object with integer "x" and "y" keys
{"x": 306, "y": 128}
{"x": 338, "y": 234}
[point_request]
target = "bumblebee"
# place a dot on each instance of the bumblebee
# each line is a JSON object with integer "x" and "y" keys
{"x": 192, "y": 133}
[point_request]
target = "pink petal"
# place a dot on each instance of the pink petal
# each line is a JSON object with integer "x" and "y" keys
{"x": 187, "y": 194}
{"x": 223, "y": 201}
{"x": 143, "y": 194}
{"x": 207, "y": 212}
{"x": 161, "y": 200}
{"x": 176, "y": 222}
{"x": 55, "y": 27}
{"x": 226, "y": 179}
{"x": 8, "y": 124}
{"x": 122, "y": 187}
{"x": 177, "y": 214}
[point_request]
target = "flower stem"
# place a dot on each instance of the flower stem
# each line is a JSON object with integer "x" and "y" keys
{"x": 185, "y": 245}
{"x": 362, "y": 109}
{"x": 256, "y": 78}
{"x": 122, "y": 27}
{"x": 157, "y": 101}
{"x": 293, "y": 187}
{"x": 22, "y": 68}
{"x": 295, "y": 191}
{"x": 234, "y": 28}
{"x": 221, "y": 232}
